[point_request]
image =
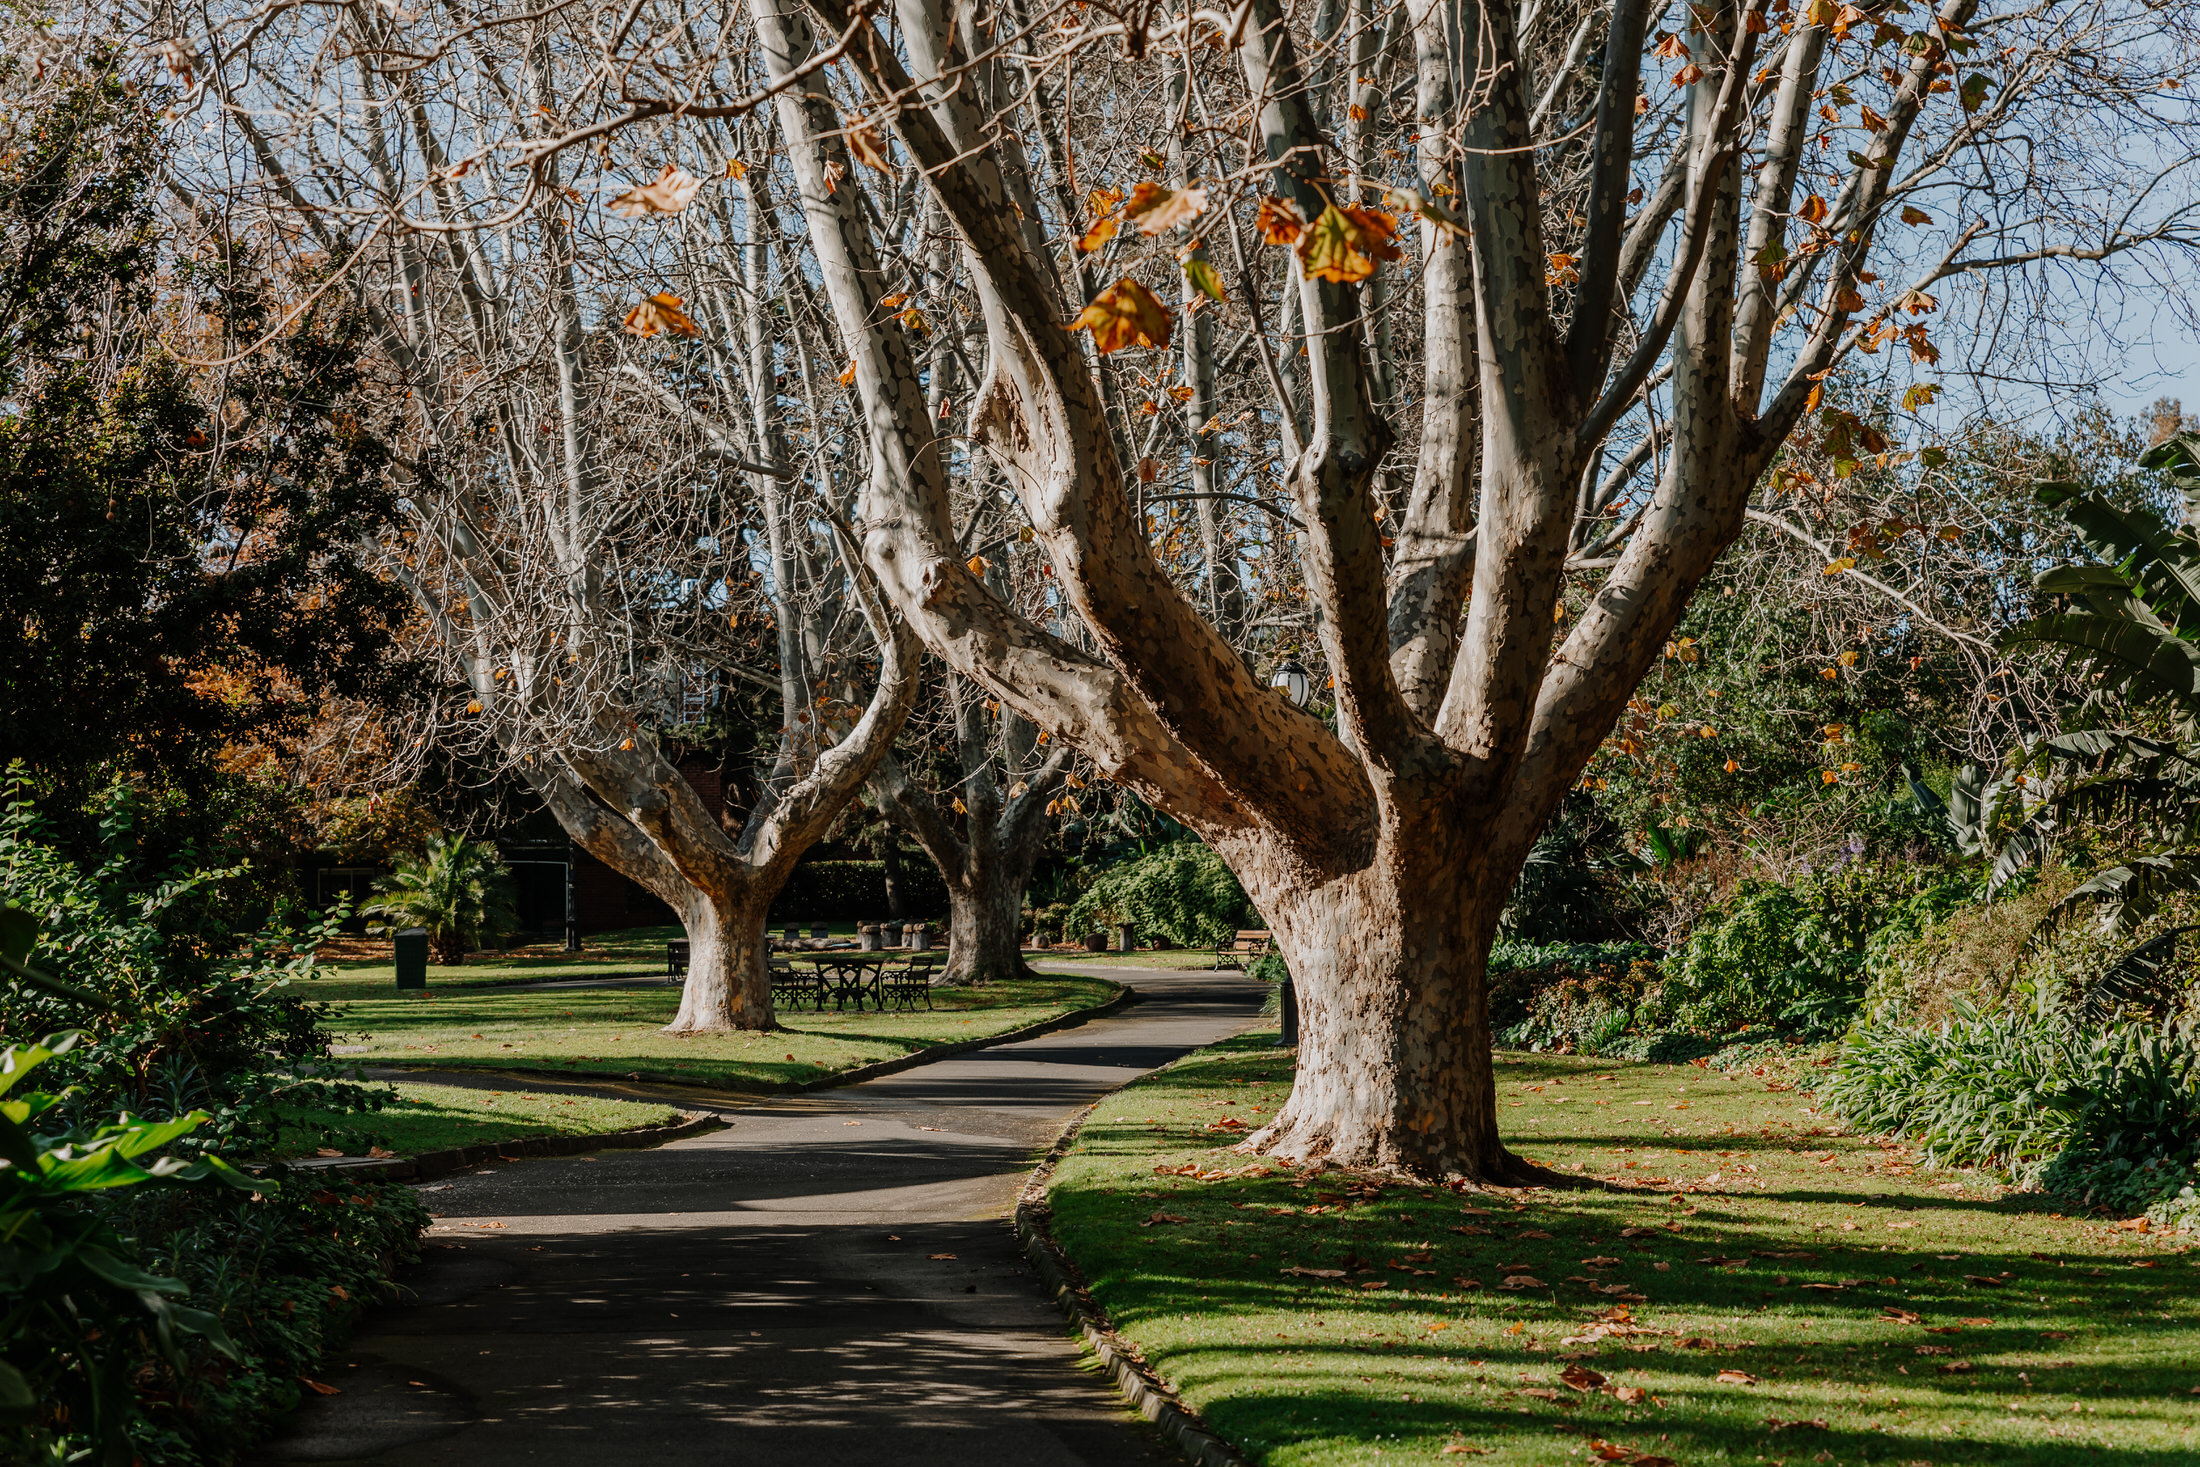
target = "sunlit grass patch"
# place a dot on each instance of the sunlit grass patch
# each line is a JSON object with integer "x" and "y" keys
{"x": 1861, "y": 1309}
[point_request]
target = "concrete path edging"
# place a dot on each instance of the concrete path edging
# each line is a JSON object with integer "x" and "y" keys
{"x": 1133, "y": 1377}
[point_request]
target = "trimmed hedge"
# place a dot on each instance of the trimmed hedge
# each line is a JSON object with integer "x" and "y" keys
{"x": 855, "y": 891}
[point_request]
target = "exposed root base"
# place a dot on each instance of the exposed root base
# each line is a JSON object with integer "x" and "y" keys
{"x": 693, "y": 1031}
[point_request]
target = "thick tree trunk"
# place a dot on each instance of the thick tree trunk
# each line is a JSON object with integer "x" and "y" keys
{"x": 729, "y": 984}
{"x": 985, "y": 928}
{"x": 1390, "y": 964}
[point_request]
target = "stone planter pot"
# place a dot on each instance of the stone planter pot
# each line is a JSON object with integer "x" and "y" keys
{"x": 867, "y": 937}
{"x": 1096, "y": 942}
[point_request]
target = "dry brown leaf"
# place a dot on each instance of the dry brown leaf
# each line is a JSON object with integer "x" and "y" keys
{"x": 1279, "y": 221}
{"x": 1522, "y": 1281}
{"x": 1161, "y": 1217}
{"x": 939, "y": 1255}
{"x": 1630, "y": 1395}
{"x": 660, "y": 313}
{"x": 1312, "y": 1273}
{"x": 1581, "y": 1377}
{"x": 672, "y": 192}
{"x": 869, "y": 145}
{"x": 317, "y": 1388}
{"x": 1124, "y": 314}
{"x": 1154, "y": 208}
{"x": 1736, "y": 1377}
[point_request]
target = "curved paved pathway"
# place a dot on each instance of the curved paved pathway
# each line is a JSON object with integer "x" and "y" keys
{"x": 771, "y": 1294}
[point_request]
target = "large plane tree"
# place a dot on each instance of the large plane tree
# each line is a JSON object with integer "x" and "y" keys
{"x": 1526, "y": 302}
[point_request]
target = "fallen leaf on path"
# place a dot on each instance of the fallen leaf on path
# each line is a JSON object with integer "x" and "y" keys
{"x": 326, "y": 1151}
{"x": 318, "y": 1388}
{"x": 1736, "y": 1377}
{"x": 939, "y": 1255}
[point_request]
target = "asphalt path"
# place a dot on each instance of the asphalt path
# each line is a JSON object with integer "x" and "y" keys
{"x": 832, "y": 1279}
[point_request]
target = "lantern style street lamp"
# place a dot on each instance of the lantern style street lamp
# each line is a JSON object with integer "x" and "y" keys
{"x": 1292, "y": 679}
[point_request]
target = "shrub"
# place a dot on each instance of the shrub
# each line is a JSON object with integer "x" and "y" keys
{"x": 1797, "y": 956}
{"x": 192, "y": 1017}
{"x": 1182, "y": 892}
{"x": 2111, "y": 1118}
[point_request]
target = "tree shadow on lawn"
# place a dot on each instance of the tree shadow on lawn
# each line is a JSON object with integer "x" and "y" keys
{"x": 1436, "y": 1361}
{"x": 1920, "y": 1328}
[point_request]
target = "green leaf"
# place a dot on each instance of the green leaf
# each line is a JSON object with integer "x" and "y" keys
{"x": 126, "y": 1275}
{"x": 1203, "y": 277}
{"x": 15, "y": 1391}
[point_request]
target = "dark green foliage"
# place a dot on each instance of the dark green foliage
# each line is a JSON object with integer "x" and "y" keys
{"x": 193, "y": 1017}
{"x": 2110, "y": 1117}
{"x": 78, "y": 1314}
{"x": 844, "y": 891}
{"x": 1799, "y": 956}
{"x": 182, "y": 547}
{"x": 1182, "y": 892}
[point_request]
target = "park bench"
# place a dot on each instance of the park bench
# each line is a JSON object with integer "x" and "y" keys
{"x": 1247, "y": 945}
{"x": 676, "y": 959}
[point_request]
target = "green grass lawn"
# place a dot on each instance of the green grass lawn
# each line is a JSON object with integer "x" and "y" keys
{"x": 615, "y": 1031}
{"x": 602, "y": 954}
{"x": 431, "y": 1117}
{"x": 1771, "y": 1291}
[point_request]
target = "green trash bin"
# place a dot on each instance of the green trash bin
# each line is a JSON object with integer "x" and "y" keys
{"x": 412, "y": 958}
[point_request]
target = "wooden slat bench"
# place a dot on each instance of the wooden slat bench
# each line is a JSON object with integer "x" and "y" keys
{"x": 1249, "y": 944}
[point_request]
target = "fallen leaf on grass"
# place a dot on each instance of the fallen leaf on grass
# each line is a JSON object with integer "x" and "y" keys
{"x": 1736, "y": 1377}
{"x": 1460, "y": 1280}
{"x": 1522, "y": 1281}
{"x": 1581, "y": 1377}
{"x": 327, "y": 1151}
{"x": 1543, "y": 1393}
{"x": 1892, "y": 1315}
{"x": 1774, "y": 1423}
{"x": 1956, "y": 1367}
{"x": 1461, "y": 1449}
{"x": 1975, "y": 1323}
{"x": 1936, "y": 1349}
{"x": 1312, "y": 1273}
{"x": 1630, "y": 1395}
{"x": 1533, "y": 1233}
{"x": 1982, "y": 1280}
{"x": 1161, "y": 1217}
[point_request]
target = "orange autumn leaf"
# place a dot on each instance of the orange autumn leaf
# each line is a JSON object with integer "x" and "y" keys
{"x": 1279, "y": 221}
{"x": 848, "y": 377}
{"x": 736, "y": 169}
{"x": 660, "y": 313}
{"x": 868, "y": 145}
{"x": 1911, "y": 214}
{"x": 1148, "y": 470}
{"x": 1345, "y": 244}
{"x": 1101, "y": 202}
{"x": 1561, "y": 270}
{"x": 1125, "y": 314}
{"x": 1154, "y": 208}
{"x": 1813, "y": 210}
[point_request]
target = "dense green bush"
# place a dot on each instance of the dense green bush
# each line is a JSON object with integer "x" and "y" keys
{"x": 1798, "y": 956}
{"x": 1181, "y": 892}
{"x": 2110, "y": 1117}
{"x": 194, "y": 1016}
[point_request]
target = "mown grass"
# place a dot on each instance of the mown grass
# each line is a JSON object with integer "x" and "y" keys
{"x": 629, "y": 950}
{"x": 1768, "y": 1244}
{"x": 421, "y": 1118}
{"x": 616, "y": 1031}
